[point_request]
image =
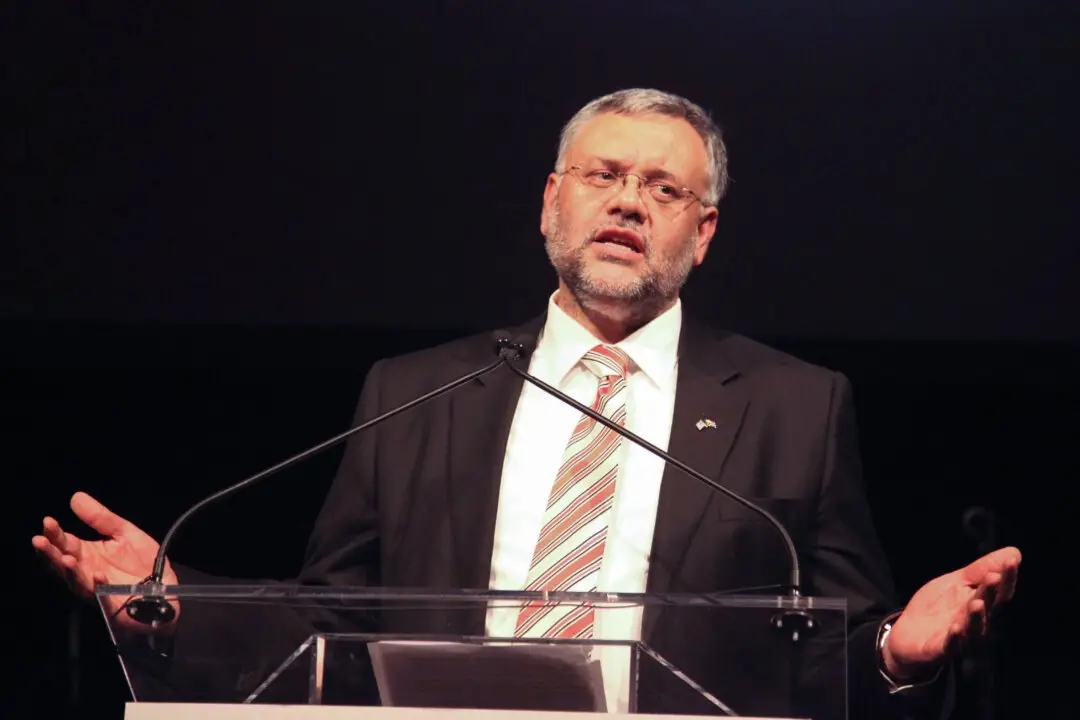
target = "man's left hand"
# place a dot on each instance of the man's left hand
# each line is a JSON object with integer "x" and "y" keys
{"x": 948, "y": 613}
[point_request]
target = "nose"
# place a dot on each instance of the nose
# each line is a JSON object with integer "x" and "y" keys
{"x": 627, "y": 200}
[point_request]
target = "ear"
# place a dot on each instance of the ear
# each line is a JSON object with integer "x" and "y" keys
{"x": 705, "y": 228}
{"x": 551, "y": 189}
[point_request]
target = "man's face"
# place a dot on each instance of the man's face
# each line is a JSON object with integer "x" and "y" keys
{"x": 619, "y": 243}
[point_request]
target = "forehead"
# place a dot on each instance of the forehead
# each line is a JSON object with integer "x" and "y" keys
{"x": 640, "y": 142}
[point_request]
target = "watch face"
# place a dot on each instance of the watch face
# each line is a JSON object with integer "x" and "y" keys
{"x": 884, "y": 634}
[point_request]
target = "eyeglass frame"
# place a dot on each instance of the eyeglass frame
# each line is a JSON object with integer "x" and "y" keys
{"x": 642, "y": 182}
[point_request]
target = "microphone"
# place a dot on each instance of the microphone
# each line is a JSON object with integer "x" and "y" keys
{"x": 798, "y": 621}
{"x": 152, "y": 608}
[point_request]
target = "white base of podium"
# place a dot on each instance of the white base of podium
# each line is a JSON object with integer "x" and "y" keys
{"x": 207, "y": 711}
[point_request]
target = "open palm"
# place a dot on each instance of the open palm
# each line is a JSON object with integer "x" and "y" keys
{"x": 125, "y": 555}
{"x": 951, "y": 611}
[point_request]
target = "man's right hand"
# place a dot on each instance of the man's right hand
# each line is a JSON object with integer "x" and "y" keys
{"x": 124, "y": 557}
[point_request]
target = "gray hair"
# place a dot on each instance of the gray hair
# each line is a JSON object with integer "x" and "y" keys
{"x": 639, "y": 101}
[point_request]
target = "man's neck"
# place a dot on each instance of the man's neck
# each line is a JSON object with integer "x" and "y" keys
{"x": 610, "y": 321}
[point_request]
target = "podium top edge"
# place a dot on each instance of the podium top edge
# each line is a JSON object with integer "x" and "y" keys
{"x": 344, "y": 596}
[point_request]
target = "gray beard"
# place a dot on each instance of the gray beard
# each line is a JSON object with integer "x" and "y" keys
{"x": 641, "y": 297}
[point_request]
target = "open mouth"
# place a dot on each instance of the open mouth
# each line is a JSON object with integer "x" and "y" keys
{"x": 620, "y": 237}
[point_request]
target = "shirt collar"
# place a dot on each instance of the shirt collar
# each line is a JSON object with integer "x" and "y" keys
{"x": 652, "y": 348}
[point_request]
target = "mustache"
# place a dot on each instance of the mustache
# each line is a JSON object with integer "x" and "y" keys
{"x": 624, "y": 224}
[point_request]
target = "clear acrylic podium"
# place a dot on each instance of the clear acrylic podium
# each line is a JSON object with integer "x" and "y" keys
{"x": 661, "y": 654}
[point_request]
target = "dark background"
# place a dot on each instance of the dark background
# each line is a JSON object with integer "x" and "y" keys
{"x": 221, "y": 214}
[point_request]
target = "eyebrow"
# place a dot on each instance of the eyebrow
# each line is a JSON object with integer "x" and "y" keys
{"x": 654, "y": 174}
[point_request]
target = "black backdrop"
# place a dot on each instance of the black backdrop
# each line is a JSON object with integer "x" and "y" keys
{"x": 899, "y": 172}
{"x": 221, "y": 214}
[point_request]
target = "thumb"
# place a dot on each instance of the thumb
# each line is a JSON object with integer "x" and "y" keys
{"x": 99, "y": 517}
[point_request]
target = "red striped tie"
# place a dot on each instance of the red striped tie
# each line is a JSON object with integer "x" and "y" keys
{"x": 571, "y": 545}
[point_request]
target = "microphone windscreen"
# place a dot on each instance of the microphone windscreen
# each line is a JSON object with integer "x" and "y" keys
{"x": 526, "y": 343}
{"x": 501, "y": 340}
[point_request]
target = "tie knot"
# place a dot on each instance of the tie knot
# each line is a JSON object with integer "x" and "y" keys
{"x": 606, "y": 360}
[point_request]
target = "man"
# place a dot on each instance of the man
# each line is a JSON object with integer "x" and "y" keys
{"x": 499, "y": 485}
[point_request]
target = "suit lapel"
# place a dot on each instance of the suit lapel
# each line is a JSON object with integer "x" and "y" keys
{"x": 481, "y": 414}
{"x": 702, "y": 393}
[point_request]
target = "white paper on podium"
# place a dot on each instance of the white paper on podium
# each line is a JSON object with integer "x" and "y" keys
{"x": 494, "y": 676}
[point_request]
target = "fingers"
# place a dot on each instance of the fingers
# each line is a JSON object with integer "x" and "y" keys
{"x": 1009, "y": 576}
{"x": 999, "y": 586}
{"x": 997, "y": 561}
{"x": 978, "y": 620}
{"x": 967, "y": 629}
{"x": 956, "y": 640}
{"x": 65, "y": 543}
{"x": 990, "y": 591}
{"x": 49, "y": 551}
{"x": 97, "y": 516}
{"x": 65, "y": 567}
{"x": 973, "y": 624}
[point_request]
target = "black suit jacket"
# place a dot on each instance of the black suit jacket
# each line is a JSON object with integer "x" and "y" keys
{"x": 415, "y": 499}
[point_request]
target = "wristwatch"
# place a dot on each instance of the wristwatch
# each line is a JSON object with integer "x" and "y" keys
{"x": 895, "y": 684}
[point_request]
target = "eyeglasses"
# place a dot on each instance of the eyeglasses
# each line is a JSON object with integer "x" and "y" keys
{"x": 663, "y": 192}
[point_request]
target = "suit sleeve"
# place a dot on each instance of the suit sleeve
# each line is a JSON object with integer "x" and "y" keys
{"x": 343, "y": 549}
{"x": 221, "y": 651}
{"x": 848, "y": 561}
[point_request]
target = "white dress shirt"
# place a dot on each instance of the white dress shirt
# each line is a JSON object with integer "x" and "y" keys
{"x": 540, "y": 430}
